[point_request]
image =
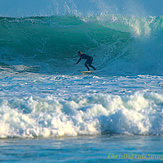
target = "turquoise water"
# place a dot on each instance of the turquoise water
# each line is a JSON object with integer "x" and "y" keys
{"x": 50, "y": 111}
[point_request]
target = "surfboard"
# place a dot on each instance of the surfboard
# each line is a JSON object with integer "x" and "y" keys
{"x": 87, "y": 72}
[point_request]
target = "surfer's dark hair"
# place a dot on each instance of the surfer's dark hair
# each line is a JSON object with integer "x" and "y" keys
{"x": 80, "y": 52}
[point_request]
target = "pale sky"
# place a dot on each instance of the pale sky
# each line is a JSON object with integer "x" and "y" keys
{"x": 24, "y": 8}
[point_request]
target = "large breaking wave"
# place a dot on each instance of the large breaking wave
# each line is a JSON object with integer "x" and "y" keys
{"x": 119, "y": 44}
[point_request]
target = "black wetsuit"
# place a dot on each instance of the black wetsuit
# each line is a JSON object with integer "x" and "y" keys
{"x": 88, "y": 61}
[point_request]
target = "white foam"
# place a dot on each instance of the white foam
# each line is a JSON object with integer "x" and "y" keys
{"x": 84, "y": 115}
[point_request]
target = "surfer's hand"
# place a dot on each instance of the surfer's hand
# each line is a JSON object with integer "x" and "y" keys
{"x": 74, "y": 63}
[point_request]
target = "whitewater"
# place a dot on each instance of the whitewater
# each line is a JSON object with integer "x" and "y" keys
{"x": 46, "y": 102}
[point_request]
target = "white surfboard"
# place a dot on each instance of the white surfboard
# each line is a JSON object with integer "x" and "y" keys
{"x": 87, "y": 72}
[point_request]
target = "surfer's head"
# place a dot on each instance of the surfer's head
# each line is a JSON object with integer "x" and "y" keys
{"x": 79, "y": 53}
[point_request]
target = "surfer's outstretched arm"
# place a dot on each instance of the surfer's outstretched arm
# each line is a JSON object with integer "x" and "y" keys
{"x": 77, "y": 61}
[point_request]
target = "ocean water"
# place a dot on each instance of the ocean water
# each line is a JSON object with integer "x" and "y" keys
{"x": 50, "y": 111}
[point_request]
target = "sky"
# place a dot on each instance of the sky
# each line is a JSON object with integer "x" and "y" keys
{"x": 25, "y": 8}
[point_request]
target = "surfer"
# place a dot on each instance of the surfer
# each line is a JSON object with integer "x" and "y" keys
{"x": 88, "y": 62}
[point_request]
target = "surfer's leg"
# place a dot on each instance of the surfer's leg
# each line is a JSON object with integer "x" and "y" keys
{"x": 90, "y": 62}
{"x": 92, "y": 67}
{"x": 86, "y": 65}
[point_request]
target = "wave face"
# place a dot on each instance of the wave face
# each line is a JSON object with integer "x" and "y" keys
{"x": 119, "y": 44}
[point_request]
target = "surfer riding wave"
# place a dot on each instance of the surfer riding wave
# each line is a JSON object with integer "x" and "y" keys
{"x": 88, "y": 62}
